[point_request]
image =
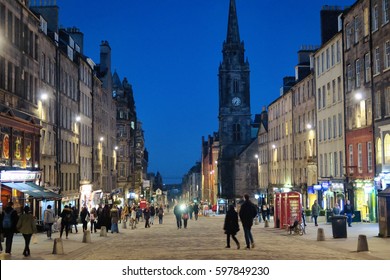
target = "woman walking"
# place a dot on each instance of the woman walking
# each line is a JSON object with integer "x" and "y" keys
{"x": 27, "y": 226}
{"x": 231, "y": 226}
{"x": 48, "y": 220}
{"x": 93, "y": 216}
{"x": 84, "y": 218}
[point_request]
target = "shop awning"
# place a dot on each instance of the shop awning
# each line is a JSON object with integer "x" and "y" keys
{"x": 34, "y": 190}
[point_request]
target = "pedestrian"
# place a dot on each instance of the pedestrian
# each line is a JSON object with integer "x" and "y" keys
{"x": 152, "y": 210}
{"x": 84, "y": 217}
{"x": 315, "y": 211}
{"x": 177, "y": 212}
{"x": 168, "y": 207}
{"x": 125, "y": 213}
{"x": 196, "y": 211}
{"x": 185, "y": 216}
{"x": 190, "y": 210}
{"x": 133, "y": 218}
{"x": 231, "y": 226}
{"x": 27, "y": 226}
{"x": 66, "y": 220}
{"x": 336, "y": 209}
{"x": 75, "y": 218}
{"x": 106, "y": 217}
{"x": 92, "y": 217}
{"x": 9, "y": 220}
{"x": 247, "y": 213}
{"x": 349, "y": 212}
{"x": 114, "y": 214}
{"x": 48, "y": 220}
{"x": 160, "y": 214}
{"x": 303, "y": 216}
{"x": 264, "y": 211}
{"x": 120, "y": 209}
{"x": 147, "y": 216}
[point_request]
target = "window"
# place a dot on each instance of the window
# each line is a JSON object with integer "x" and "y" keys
{"x": 387, "y": 100}
{"x": 385, "y": 10}
{"x": 348, "y": 36}
{"x": 332, "y": 54}
{"x": 378, "y": 110}
{"x": 334, "y": 91}
{"x": 387, "y": 54}
{"x": 338, "y": 53}
{"x": 360, "y": 158}
{"x": 350, "y": 153}
{"x": 341, "y": 163}
{"x": 326, "y": 164}
{"x": 356, "y": 30}
{"x": 369, "y": 156}
{"x": 336, "y": 165}
{"x": 327, "y": 59}
{"x": 339, "y": 96}
{"x": 367, "y": 68}
{"x": 334, "y": 127}
{"x": 379, "y": 151}
{"x": 324, "y": 94}
{"x": 329, "y": 128}
{"x": 340, "y": 125}
{"x": 366, "y": 24}
{"x": 320, "y": 131}
{"x": 349, "y": 77}
{"x": 324, "y": 127}
{"x": 321, "y": 167}
{"x": 319, "y": 98}
{"x": 375, "y": 20}
{"x": 236, "y": 132}
{"x": 386, "y": 147}
{"x": 235, "y": 86}
{"x": 377, "y": 62}
{"x": 357, "y": 73}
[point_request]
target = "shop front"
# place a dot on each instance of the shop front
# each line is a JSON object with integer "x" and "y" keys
{"x": 366, "y": 199}
{"x": 21, "y": 187}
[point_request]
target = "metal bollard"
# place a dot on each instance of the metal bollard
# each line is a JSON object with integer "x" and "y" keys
{"x": 58, "y": 248}
{"x": 362, "y": 243}
{"x": 103, "y": 231}
{"x": 320, "y": 234}
{"x": 87, "y": 236}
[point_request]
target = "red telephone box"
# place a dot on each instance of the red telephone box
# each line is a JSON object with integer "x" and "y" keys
{"x": 142, "y": 204}
{"x": 277, "y": 210}
{"x": 283, "y": 210}
{"x": 293, "y": 207}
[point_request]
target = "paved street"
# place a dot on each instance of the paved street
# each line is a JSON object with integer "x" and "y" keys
{"x": 204, "y": 239}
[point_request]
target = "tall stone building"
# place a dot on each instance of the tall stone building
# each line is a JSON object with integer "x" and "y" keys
{"x": 234, "y": 108}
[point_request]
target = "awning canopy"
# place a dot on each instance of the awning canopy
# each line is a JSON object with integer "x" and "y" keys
{"x": 34, "y": 190}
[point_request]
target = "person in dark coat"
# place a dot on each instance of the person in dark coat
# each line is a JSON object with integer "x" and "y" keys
{"x": 231, "y": 226}
{"x": 196, "y": 211}
{"x": 66, "y": 220}
{"x": 248, "y": 212}
{"x": 147, "y": 216}
{"x": 9, "y": 232}
{"x": 177, "y": 211}
{"x": 75, "y": 219}
{"x": 83, "y": 217}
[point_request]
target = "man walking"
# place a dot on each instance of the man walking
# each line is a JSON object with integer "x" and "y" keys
{"x": 248, "y": 212}
{"x": 349, "y": 211}
{"x": 10, "y": 219}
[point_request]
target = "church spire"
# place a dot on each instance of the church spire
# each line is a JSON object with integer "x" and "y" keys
{"x": 233, "y": 35}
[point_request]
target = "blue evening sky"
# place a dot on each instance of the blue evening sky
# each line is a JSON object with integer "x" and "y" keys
{"x": 170, "y": 51}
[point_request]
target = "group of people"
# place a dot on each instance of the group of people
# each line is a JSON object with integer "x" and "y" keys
{"x": 185, "y": 212}
{"x": 348, "y": 211}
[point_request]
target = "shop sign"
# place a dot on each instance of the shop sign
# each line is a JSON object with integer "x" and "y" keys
{"x": 325, "y": 186}
{"x": 317, "y": 187}
{"x": 17, "y": 176}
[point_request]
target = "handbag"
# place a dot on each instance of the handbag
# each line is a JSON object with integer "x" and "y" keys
{"x": 87, "y": 218}
{"x": 34, "y": 239}
{"x": 185, "y": 216}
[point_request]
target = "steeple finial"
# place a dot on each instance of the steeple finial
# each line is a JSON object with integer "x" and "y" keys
{"x": 233, "y": 35}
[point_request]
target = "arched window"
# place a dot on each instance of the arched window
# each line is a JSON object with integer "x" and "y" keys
{"x": 386, "y": 148}
{"x": 379, "y": 151}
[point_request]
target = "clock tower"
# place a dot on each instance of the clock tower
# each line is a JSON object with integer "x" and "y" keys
{"x": 234, "y": 106}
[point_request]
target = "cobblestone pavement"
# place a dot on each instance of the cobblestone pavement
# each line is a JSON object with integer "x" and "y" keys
{"x": 205, "y": 240}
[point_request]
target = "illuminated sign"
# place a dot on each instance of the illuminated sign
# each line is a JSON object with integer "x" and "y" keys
{"x": 18, "y": 176}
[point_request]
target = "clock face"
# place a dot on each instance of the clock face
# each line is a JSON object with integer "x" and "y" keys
{"x": 236, "y": 101}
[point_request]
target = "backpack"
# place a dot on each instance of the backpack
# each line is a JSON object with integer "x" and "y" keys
{"x": 7, "y": 221}
{"x": 68, "y": 217}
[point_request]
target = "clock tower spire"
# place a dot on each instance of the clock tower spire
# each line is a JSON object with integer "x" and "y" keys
{"x": 234, "y": 105}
